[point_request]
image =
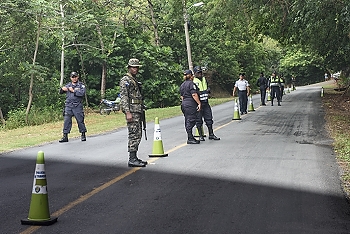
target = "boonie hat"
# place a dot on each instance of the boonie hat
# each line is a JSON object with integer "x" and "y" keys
{"x": 74, "y": 74}
{"x": 134, "y": 63}
{"x": 242, "y": 74}
{"x": 187, "y": 72}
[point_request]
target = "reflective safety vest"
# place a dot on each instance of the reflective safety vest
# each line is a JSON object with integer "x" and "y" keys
{"x": 275, "y": 81}
{"x": 203, "y": 88}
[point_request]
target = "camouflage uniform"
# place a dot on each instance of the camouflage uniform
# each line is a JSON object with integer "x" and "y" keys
{"x": 131, "y": 100}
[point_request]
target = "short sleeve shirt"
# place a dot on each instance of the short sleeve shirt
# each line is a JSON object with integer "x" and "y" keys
{"x": 242, "y": 84}
{"x": 187, "y": 88}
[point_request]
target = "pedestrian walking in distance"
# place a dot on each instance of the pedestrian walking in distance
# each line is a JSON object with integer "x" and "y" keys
{"x": 282, "y": 82}
{"x": 132, "y": 106}
{"x": 190, "y": 105}
{"x": 75, "y": 92}
{"x": 205, "y": 112}
{"x": 262, "y": 83}
{"x": 243, "y": 88}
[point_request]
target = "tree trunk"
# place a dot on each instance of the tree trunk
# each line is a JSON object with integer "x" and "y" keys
{"x": 2, "y": 118}
{"x": 104, "y": 64}
{"x": 30, "y": 93}
{"x": 62, "y": 49}
{"x": 154, "y": 23}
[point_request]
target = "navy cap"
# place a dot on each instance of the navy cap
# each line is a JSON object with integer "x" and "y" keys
{"x": 73, "y": 74}
{"x": 188, "y": 72}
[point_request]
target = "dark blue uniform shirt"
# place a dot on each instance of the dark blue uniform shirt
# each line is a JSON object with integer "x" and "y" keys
{"x": 187, "y": 88}
{"x": 76, "y": 98}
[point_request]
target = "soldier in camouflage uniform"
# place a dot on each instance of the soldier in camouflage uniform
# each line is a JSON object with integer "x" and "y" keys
{"x": 132, "y": 106}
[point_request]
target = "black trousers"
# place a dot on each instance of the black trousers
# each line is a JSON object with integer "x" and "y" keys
{"x": 243, "y": 100}
{"x": 275, "y": 92}
{"x": 263, "y": 95}
{"x": 206, "y": 114}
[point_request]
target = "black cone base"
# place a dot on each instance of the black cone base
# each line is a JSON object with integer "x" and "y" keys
{"x": 39, "y": 222}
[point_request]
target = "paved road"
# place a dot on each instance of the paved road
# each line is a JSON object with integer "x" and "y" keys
{"x": 273, "y": 172}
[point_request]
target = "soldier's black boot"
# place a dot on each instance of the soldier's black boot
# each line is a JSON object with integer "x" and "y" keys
{"x": 211, "y": 134}
{"x": 83, "y": 136}
{"x": 64, "y": 138}
{"x": 271, "y": 103}
{"x": 134, "y": 161}
{"x": 191, "y": 139}
{"x": 141, "y": 161}
{"x": 201, "y": 134}
{"x": 279, "y": 103}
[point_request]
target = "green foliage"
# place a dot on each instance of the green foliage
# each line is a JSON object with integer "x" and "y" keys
{"x": 37, "y": 116}
{"x": 227, "y": 37}
{"x": 305, "y": 66}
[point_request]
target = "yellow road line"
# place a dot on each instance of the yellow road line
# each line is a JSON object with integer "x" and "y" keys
{"x": 106, "y": 185}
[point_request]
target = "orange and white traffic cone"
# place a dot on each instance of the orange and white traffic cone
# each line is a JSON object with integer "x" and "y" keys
{"x": 158, "y": 150}
{"x": 39, "y": 213}
{"x": 236, "y": 115}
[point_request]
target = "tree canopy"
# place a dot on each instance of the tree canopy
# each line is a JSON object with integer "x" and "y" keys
{"x": 42, "y": 41}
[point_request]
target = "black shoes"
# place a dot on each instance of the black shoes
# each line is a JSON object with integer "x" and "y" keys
{"x": 134, "y": 161}
{"x": 64, "y": 138}
{"x": 201, "y": 138}
{"x": 193, "y": 141}
{"x": 137, "y": 163}
{"x": 83, "y": 136}
{"x": 213, "y": 137}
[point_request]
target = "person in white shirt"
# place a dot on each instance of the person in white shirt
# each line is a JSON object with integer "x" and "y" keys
{"x": 243, "y": 92}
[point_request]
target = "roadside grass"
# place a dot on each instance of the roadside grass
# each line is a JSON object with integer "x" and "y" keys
{"x": 96, "y": 124}
{"x": 337, "y": 108}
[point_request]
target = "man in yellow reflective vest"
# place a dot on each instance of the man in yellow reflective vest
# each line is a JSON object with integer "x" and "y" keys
{"x": 275, "y": 86}
{"x": 205, "y": 111}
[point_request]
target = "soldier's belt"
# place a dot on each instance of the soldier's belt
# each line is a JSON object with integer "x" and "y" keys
{"x": 136, "y": 101}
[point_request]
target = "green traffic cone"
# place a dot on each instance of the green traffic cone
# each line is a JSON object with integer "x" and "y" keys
{"x": 250, "y": 107}
{"x": 158, "y": 150}
{"x": 39, "y": 213}
{"x": 268, "y": 95}
{"x": 236, "y": 115}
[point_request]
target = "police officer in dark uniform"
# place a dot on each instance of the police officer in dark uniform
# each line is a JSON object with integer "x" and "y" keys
{"x": 75, "y": 91}
{"x": 262, "y": 83}
{"x": 190, "y": 105}
{"x": 282, "y": 82}
{"x": 205, "y": 112}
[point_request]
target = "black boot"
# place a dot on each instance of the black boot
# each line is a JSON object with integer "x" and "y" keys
{"x": 279, "y": 103}
{"x": 191, "y": 139}
{"x": 134, "y": 161}
{"x": 64, "y": 138}
{"x": 211, "y": 134}
{"x": 201, "y": 134}
{"x": 83, "y": 136}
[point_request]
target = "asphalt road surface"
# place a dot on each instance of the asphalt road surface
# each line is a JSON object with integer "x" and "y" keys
{"x": 273, "y": 171}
